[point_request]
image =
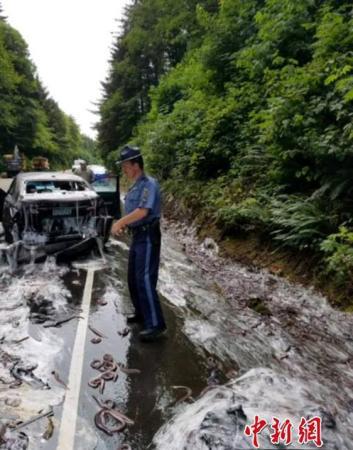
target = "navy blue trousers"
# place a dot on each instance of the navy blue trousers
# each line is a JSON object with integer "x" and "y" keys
{"x": 143, "y": 268}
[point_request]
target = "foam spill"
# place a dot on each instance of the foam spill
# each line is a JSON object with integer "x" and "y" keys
{"x": 218, "y": 419}
{"x": 42, "y": 348}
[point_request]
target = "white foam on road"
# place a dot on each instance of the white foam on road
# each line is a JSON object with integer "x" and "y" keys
{"x": 67, "y": 432}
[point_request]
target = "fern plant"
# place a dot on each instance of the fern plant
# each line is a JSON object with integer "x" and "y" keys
{"x": 299, "y": 223}
{"x": 338, "y": 250}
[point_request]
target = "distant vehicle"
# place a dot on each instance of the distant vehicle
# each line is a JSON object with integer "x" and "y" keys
{"x": 107, "y": 187}
{"x": 100, "y": 172}
{"x": 53, "y": 213}
{"x": 14, "y": 162}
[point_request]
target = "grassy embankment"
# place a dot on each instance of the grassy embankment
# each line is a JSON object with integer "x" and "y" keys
{"x": 254, "y": 245}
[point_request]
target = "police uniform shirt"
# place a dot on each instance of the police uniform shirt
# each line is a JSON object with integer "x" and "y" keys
{"x": 87, "y": 175}
{"x": 145, "y": 193}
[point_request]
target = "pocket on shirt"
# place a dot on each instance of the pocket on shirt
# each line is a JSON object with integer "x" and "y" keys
{"x": 134, "y": 196}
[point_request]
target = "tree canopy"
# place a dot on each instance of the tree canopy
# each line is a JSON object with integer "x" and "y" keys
{"x": 244, "y": 109}
{"x": 155, "y": 36}
{"x": 29, "y": 117}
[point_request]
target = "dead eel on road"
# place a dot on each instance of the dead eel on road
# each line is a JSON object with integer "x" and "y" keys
{"x": 186, "y": 396}
{"x": 108, "y": 412}
{"x": 58, "y": 379}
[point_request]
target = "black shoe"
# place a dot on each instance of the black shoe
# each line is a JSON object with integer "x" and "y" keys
{"x": 134, "y": 318}
{"x": 151, "y": 334}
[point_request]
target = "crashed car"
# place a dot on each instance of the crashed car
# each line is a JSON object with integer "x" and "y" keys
{"x": 53, "y": 213}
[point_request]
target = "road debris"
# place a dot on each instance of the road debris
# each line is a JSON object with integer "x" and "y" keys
{"x": 124, "y": 332}
{"x": 95, "y": 331}
{"x": 108, "y": 412}
{"x": 34, "y": 419}
{"x": 59, "y": 380}
{"x": 48, "y": 433}
{"x": 58, "y": 323}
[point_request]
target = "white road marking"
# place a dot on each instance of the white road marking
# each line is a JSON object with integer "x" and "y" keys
{"x": 67, "y": 431}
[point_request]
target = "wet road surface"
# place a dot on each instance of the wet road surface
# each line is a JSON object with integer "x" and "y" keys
{"x": 259, "y": 345}
{"x": 147, "y": 398}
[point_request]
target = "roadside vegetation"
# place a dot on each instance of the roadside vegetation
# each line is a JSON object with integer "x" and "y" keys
{"x": 244, "y": 111}
{"x": 29, "y": 117}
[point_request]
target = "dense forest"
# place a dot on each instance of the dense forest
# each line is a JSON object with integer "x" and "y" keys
{"x": 244, "y": 110}
{"x": 29, "y": 117}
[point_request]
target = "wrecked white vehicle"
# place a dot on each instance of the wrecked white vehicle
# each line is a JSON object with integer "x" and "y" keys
{"x": 52, "y": 213}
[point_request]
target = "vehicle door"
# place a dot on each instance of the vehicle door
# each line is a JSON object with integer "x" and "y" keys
{"x": 9, "y": 200}
{"x": 2, "y": 201}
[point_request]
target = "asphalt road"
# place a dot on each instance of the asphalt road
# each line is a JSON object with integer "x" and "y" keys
{"x": 96, "y": 291}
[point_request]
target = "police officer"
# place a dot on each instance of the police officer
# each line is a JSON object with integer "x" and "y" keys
{"x": 85, "y": 172}
{"x": 142, "y": 214}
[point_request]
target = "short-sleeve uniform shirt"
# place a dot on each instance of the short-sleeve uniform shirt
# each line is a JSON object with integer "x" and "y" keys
{"x": 144, "y": 193}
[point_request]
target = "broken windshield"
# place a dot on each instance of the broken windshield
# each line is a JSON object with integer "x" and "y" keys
{"x": 38, "y": 186}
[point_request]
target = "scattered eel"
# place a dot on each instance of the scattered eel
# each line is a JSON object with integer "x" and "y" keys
{"x": 25, "y": 374}
{"x": 58, "y": 379}
{"x": 59, "y": 322}
{"x": 109, "y": 371}
{"x": 186, "y": 396}
{"x": 101, "y": 419}
{"x": 128, "y": 371}
{"x": 13, "y": 402}
{"x": 99, "y": 382}
{"x": 124, "y": 332}
{"x": 99, "y": 424}
{"x": 48, "y": 433}
{"x": 11, "y": 308}
{"x": 96, "y": 332}
{"x": 34, "y": 419}
{"x": 21, "y": 340}
{"x": 105, "y": 415}
{"x": 106, "y": 404}
{"x": 108, "y": 363}
{"x": 101, "y": 302}
{"x": 39, "y": 317}
{"x": 232, "y": 373}
{"x": 15, "y": 384}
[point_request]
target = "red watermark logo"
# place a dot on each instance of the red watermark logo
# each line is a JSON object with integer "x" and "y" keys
{"x": 308, "y": 431}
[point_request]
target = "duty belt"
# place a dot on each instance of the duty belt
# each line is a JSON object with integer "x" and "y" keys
{"x": 145, "y": 227}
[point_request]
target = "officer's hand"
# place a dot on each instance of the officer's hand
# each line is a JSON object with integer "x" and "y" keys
{"x": 118, "y": 227}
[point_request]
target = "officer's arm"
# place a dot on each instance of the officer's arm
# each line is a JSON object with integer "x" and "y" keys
{"x": 146, "y": 202}
{"x": 134, "y": 216}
